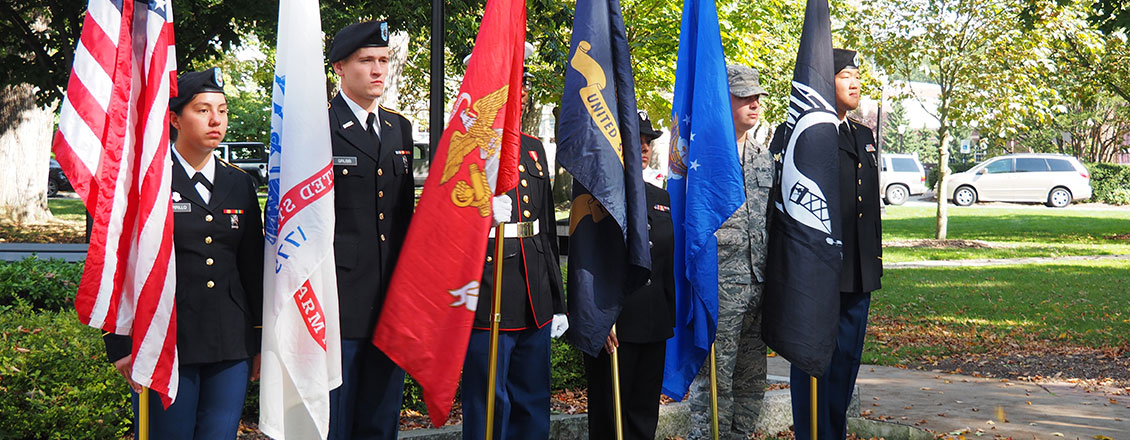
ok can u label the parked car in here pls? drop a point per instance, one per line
(56, 180)
(1053, 179)
(248, 156)
(902, 176)
(420, 162)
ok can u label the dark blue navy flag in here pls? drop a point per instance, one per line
(801, 305)
(599, 143)
(706, 188)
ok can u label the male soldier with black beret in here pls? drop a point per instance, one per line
(374, 193)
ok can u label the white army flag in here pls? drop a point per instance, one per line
(301, 337)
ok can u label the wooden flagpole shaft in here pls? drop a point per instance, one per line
(616, 390)
(812, 384)
(143, 414)
(713, 392)
(496, 319)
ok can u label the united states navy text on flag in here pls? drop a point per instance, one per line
(301, 359)
(600, 146)
(706, 188)
(801, 305)
(113, 144)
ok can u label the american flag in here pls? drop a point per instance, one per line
(113, 143)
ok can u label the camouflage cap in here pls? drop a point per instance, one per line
(743, 81)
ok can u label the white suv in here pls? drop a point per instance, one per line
(1053, 179)
(902, 176)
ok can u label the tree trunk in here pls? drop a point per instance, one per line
(943, 173)
(25, 148)
(397, 58)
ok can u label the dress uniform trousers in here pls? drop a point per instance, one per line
(859, 276)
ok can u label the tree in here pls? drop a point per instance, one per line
(983, 62)
(36, 53)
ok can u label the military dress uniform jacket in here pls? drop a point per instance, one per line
(859, 198)
(219, 269)
(649, 312)
(531, 274)
(742, 240)
(373, 203)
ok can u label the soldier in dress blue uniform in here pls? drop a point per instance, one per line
(645, 323)
(862, 263)
(373, 204)
(218, 240)
(533, 309)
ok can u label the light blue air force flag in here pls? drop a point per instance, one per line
(706, 188)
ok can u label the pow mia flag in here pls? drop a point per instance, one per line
(801, 305)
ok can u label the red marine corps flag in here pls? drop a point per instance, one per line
(426, 320)
(113, 143)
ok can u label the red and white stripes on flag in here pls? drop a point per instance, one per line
(113, 144)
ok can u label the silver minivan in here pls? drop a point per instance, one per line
(902, 176)
(1053, 179)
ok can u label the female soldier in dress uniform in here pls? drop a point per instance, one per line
(218, 240)
(645, 323)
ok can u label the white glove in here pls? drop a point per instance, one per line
(502, 207)
(560, 324)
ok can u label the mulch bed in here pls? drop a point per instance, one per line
(1088, 367)
(52, 232)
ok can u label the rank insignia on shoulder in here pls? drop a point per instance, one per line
(347, 124)
(661, 208)
(870, 148)
(233, 211)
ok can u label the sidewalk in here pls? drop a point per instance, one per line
(994, 408)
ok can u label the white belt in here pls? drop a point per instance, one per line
(519, 230)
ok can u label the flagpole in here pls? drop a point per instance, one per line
(496, 318)
(813, 397)
(143, 414)
(616, 390)
(713, 392)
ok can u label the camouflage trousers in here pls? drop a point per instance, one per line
(740, 359)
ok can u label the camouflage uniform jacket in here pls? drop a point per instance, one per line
(742, 238)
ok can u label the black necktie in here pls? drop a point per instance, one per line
(371, 123)
(199, 178)
(844, 130)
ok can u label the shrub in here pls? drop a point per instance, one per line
(55, 381)
(43, 284)
(567, 366)
(1109, 183)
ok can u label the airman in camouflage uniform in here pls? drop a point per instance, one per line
(739, 350)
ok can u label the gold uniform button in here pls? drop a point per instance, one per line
(860, 199)
(526, 213)
(860, 181)
(521, 168)
(859, 165)
(861, 215)
(209, 262)
(208, 240)
(382, 237)
(208, 218)
(344, 172)
(380, 193)
(211, 284)
(526, 198)
(381, 216)
(525, 183)
(380, 171)
(489, 258)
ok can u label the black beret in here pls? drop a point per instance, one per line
(191, 83)
(646, 130)
(844, 59)
(356, 36)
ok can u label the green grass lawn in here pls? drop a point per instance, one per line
(1014, 233)
(67, 209)
(921, 313)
